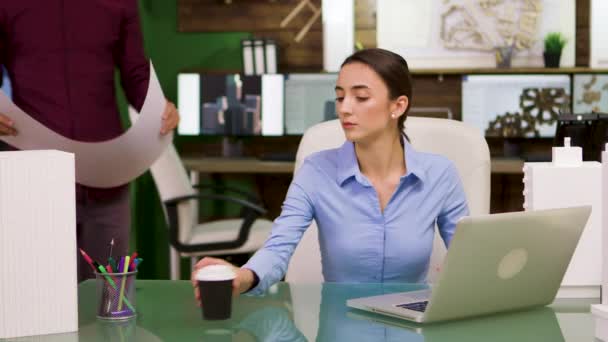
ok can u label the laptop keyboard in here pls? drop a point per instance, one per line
(418, 306)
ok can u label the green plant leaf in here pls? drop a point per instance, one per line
(554, 42)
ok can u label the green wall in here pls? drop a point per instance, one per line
(170, 52)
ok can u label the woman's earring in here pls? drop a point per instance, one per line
(393, 115)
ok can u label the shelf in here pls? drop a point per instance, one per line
(254, 165)
(236, 165)
(573, 70)
(507, 166)
(422, 72)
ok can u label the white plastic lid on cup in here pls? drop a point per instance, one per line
(215, 273)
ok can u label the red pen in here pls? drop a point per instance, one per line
(89, 261)
(132, 262)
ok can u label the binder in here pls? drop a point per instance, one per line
(259, 57)
(247, 47)
(271, 56)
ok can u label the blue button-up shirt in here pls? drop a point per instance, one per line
(359, 242)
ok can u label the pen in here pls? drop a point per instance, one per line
(132, 263)
(104, 272)
(125, 269)
(88, 259)
(121, 264)
(139, 261)
(112, 263)
(113, 284)
(111, 247)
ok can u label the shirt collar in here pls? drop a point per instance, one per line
(349, 167)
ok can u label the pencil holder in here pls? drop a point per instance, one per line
(116, 295)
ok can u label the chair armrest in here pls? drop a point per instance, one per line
(249, 195)
(247, 204)
(251, 213)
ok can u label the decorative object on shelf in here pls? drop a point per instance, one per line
(512, 125)
(503, 56)
(537, 106)
(544, 104)
(554, 44)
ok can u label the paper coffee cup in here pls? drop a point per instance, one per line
(215, 286)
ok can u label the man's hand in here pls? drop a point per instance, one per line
(170, 118)
(7, 126)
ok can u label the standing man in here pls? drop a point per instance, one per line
(61, 56)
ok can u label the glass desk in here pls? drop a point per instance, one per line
(167, 312)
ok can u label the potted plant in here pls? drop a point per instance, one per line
(554, 44)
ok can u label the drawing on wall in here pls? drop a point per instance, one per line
(465, 33)
(515, 105)
(485, 24)
(590, 93)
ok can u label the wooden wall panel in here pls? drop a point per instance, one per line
(303, 56)
(243, 16)
(263, 19)
(434, 91)
(582, 32)
(507, 193)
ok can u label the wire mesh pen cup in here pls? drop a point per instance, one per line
(116, 295)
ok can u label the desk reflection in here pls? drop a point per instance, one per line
(271, 324)
(319, 313)
(98, 331)
(337, 322)
(121, 331)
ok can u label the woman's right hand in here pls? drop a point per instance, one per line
(7, 125)
(241, 283)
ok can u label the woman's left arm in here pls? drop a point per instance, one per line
(454, 204)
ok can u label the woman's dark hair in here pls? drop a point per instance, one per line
(392, 69)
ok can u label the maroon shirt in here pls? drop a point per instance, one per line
(61, 55)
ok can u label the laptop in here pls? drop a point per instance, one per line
(495, 263)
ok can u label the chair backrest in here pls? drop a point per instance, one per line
(171, 180)
(460, 143)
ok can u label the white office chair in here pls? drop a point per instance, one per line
(460, 143)
(188, 237)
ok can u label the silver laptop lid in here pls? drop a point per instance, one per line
(505, 262)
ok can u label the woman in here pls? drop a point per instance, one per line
(376, 200)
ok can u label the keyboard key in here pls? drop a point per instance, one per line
(418, 306)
